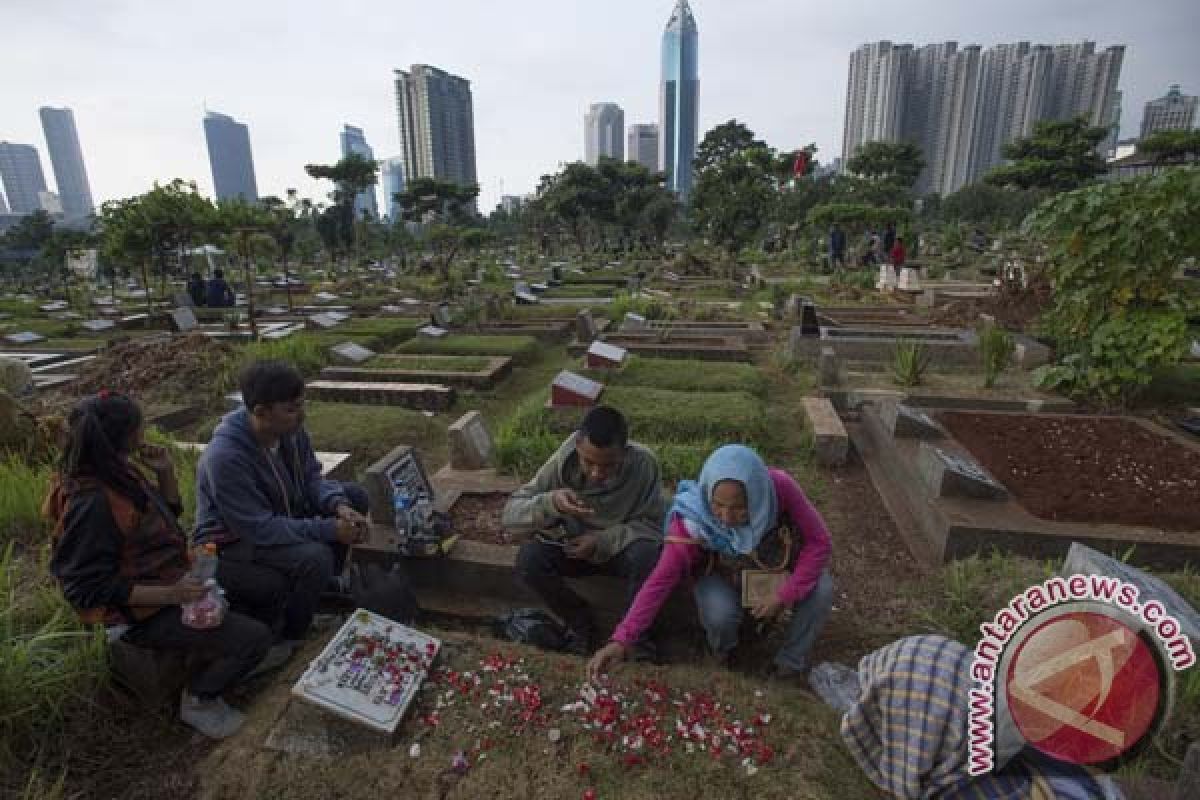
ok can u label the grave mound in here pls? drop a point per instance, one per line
(1086, 469)
(178, 364)
(476, 517)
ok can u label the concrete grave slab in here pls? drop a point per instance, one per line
(24, 337)
(323, 321)
(57, 305)
(338, 316)
(571, 390)
(951, 475)
(539, 288)
(432, 332)
(1029, 353)
(830, 440)
(602, 355)
(325, 297)
(183, 320)
(441, 315)
(634, 322)
(904, 421)
(469, 442)
(419, 396)
(351, 353)
(526, 298)
(829, 368)
(98, 325)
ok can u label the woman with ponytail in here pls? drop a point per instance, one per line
(122, 559)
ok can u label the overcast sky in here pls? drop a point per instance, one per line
(139, 73)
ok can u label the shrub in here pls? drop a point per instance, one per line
(909, 363)
(996, 349)
(22, 488)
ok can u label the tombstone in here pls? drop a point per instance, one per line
(324, 297)
(829, 368)
(351, 353)
(410, 301)
(905, 422)
(539, 288)
(470, 443)
(432, 332)
(556, 273)
(441, 315)
(634, 322)
(602, 355)
(571, 390)
(401, 467)
(57, 305)
(323, 321)
(24, 337)
(183, 320)
(183, 300)
(5, 315)
(275, 310)
(98, 325)
(910, 280)
(949, 475)
(337, 316)
(927, 299)
(809, 325)
(521, 286)
(585, 326)
(526, 298)
(887, 278)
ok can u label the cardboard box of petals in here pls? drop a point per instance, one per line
(370, 671)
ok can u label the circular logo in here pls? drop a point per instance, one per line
(1084, 687)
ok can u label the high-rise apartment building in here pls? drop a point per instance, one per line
(961, 106)
(642, 146)
(354, 141)
(24, 181)
(3, 205)
(1172, 112)
(66, 156)
(437, 125)
(230, 158)
(604, 133)
(679, 98)
(391, 176)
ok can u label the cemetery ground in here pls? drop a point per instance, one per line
(68, 732)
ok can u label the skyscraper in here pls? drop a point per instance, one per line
(437, 125)
(1172, 112)
(604, 132)
(353, 141)
(230, 157)
(62, 140)
(679, 98)
(3, 205)
(21, 171)
(391, 175)
(643, 146)
(962, 106)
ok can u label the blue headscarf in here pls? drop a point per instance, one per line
(733, 462)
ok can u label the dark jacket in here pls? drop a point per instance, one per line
(240, 495)
(103, 545)
(219, 293)
(196, 291)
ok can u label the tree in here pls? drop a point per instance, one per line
(1118, 314)
(250, 228)
(1059, 155)
(897, 163)
(735, 187)
(350, 176)
(1171, 147)
(985, 204)
(428, 200)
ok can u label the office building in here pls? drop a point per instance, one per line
(604, 133)
(24, 181)
(353, 141)
(230, 158)
(642, 146)
(391, 176)
(1174, 111)
(437, 125)
(679, 99)
(66, 156)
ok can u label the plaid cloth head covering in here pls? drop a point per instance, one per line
(908, 731)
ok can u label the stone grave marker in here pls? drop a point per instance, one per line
(441, 315)
(927, 299)
(183, 300)
(98, 325)
(949, 475)
(410, 301)
(275, 310)
(905, 422)
(183, 320)
(470, 443)
(338, 316)
(828, 367)
(910, 280)
(432, 332)
(324, 297)
(570, 389)
(585, 326)
(400, 468)
(24, 337)
(323, 321)
(602, 355)
(351, 353)
(526, 298)
(5, 315)
(539, 288)
(809, 325)
(57, 305)
(634, 322)
(887, 278)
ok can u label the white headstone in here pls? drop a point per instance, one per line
(432, 332)
(25, 337)
(470, 444)
(352, 353)
(887, 278)
(910, 280)
(98, 325)
(183, 320)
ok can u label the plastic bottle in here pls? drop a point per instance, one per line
(401, 505)
(204, 563)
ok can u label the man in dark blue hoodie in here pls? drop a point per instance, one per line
(282, 529)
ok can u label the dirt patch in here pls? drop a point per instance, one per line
(1086, 469)
(477, 517)
(1014, 307)
(163, 366)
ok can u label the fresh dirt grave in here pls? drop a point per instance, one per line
(477, 517)
(1086, 469)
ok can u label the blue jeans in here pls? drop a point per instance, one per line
(720, 607)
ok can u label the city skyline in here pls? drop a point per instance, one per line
(66, 157)
(775, 66)
(603, 133)
(435, 116)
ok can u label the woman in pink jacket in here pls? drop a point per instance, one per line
(739, 516)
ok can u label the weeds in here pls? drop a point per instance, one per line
(909, 364)
(22, 488)
(996, 348)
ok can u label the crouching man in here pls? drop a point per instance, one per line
(595, 508)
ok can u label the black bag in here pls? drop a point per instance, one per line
(532, 626)
(384, 592)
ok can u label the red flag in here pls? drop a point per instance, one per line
(801, 165)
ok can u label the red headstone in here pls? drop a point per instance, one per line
(570, 389)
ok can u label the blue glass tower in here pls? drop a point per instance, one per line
(679, 98)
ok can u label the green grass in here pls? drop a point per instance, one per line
(682, 417)
(369, 432)
(22, 488)
(523, 349)
(1175, 386)
(386, 332)
(430, 363)
(580, 290)
(685, 376)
